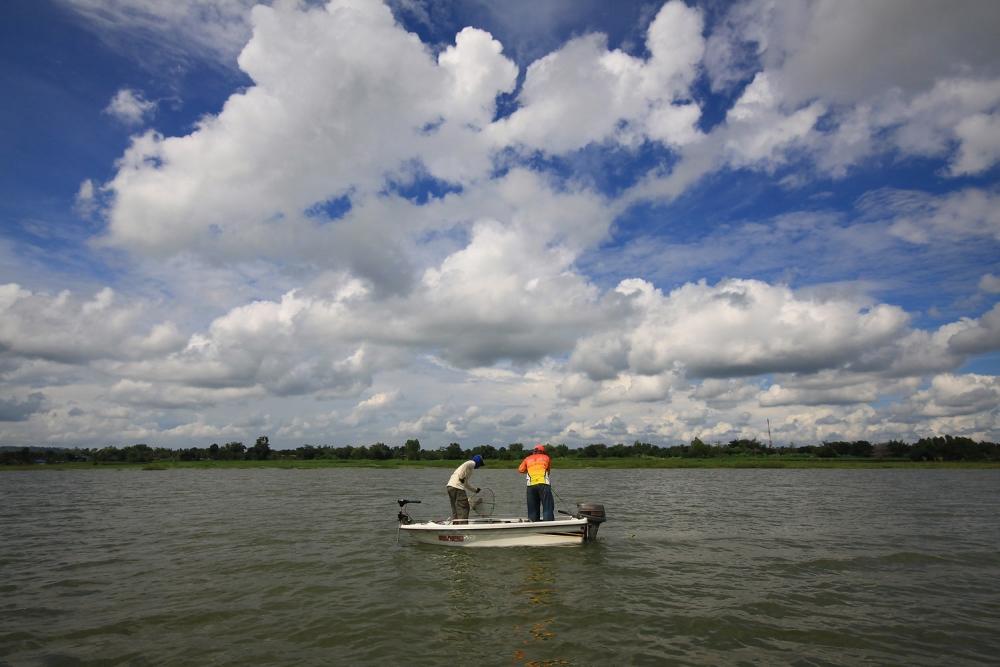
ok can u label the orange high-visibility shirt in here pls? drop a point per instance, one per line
(536, 467)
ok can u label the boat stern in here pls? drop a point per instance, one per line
(595, 516)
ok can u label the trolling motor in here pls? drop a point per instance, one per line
(403, 517)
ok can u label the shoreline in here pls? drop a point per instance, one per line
(773, 463)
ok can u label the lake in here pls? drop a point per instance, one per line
(693, 567)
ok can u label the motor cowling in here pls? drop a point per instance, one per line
(595, 516)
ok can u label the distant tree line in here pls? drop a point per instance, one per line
(940, 448)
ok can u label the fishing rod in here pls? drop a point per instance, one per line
(563, 501)
(592, 512)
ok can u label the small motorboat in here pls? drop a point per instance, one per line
(510, 532)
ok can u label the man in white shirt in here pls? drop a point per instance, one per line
(459, 487)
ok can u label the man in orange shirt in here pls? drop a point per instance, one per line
(536, 467)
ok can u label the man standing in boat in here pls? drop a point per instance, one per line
(459, 487)
(536, 467)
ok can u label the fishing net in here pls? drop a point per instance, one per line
(483, 502)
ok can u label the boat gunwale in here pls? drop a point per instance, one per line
(501, 524)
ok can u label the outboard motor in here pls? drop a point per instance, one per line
(595, 516)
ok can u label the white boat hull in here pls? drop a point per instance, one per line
(516, 532)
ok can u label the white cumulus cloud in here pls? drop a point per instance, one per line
(583, 93)
(130, 107)
(67, 329)
(739, 327)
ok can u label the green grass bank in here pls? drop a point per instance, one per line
(771, 462)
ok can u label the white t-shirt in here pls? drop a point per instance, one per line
(461, 477)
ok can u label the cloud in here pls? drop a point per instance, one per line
(298, 138)
(69, 330)
(990, 283)
(980, 336)
(825, 247)
(575, 386)
(734, 47)
(725, 392)
(804, 44)
(504, 296)
(634, 388)
(86, 199)
(274, 346)
(813, 386)
(821, 351)
(957, 395)
(440, 420)
(208, 29)
(870, 248)
(129, 107)
(584, 94)
(759, 131)
(394, 115)
(16, 410)
(739, 327)
(368, 410)
(611, 428)
(920, 218)
(886, 92)
(403, 232)
(776, 395)
(979, 144)
(399, 112)
(954, 112)
(478, 72)
(168, 396)
(916, 353)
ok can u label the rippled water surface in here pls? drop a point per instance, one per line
(694, 567)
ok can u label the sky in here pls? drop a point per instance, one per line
(570, 221)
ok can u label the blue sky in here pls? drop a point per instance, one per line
(348, 222)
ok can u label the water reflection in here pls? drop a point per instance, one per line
(464, 578)
(539, 589)
(538, 585)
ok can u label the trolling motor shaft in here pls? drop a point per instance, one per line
(403, 516)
